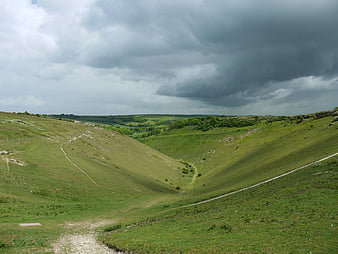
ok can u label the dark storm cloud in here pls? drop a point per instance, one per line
(177, 56)
(148, 36)
(252, 44)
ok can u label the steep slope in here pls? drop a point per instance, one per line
(53, 170)
(38, 153)
(231, 158)
(294, 214)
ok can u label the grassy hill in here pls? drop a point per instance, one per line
(229, 158)
(52, 171)
(294, 214)
(58, 171)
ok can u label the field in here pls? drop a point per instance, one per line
(73, 177)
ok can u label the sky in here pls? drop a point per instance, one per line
(107, 57)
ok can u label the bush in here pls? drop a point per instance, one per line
(212, 227)
(113, 228)
(185, 170)
(226, 227)
(3, 245)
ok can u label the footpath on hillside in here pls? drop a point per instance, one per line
(260, 183)
(71, 161)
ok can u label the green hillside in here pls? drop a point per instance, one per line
(294, 214)
(61, 172)
(229, 158)
(52, 171)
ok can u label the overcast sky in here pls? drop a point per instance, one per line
(160, 56)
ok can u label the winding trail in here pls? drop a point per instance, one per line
(72, 162)
(258, 184)
(193, 180)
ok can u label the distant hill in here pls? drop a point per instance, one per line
(131, 125)
(250, 148)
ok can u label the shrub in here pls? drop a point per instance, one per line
(212, 227)
(113, 228)
(3, 245)
(5, 200)
(185, 170)
(226, 227)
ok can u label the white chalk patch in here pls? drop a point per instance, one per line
(17, 162)
(29, 224)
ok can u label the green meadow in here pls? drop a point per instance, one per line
(61, 171)
(294, 214)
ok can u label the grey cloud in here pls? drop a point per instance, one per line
(252, 43)
(157, 56)
(134, 34)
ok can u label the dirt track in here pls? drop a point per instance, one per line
(80, 243)
(258, 184)
(72, 162)
(80, 238)
(194, 177)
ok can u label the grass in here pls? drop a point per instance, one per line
(113, 176)
(47, 188)
(231, 158)
(294, 214)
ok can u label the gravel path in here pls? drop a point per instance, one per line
(80, 243)
(80, 238)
